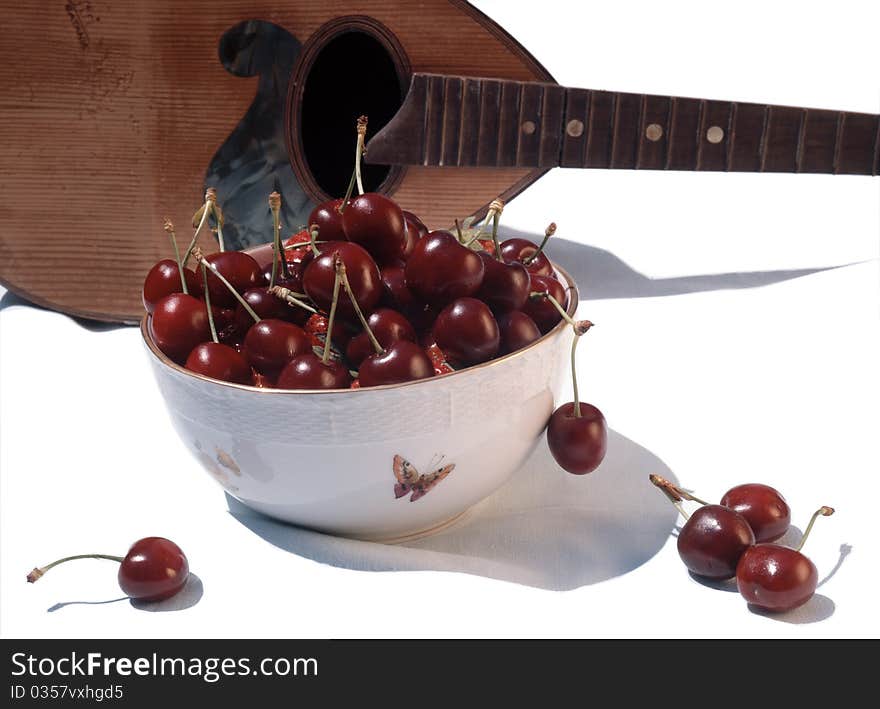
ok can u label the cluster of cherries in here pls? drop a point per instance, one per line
(734, 539)
(365, 296)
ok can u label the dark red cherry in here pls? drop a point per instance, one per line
(308, 372)
(541, 310)
(467, 331)
(517, 330)
(270, 344)
(578, 443)
(326, 215)
(776, 578)
(264, 304)
(522, 250)
(440, 269)
(388, 326)
(376, 223)
(237, 267)
(414, 229)
(764, 508)
(179, 323)
(505, 285)
(164, 279)
(154, 569)
(403, 361)
(363, 275)
(712, 541)
(219, 362)
(292, 282)
(395, 293)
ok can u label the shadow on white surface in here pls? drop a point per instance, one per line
(11, 299)
(544, 528)
(845, 550)
(188, 596)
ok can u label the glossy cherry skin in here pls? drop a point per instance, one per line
(712, 541)
(326, 215)
(517, 330)
(179, 323)
(376, 223)
(523, 249)
(237, 267)
(293, 282)
(164, 279)
(764, 508)
(270, 344)
(219, 362)
(395, 293)
(467, 331)
(153, 569)
(776, 578)
(541, 310)
(505, 285)
(362, 271)
(308, 372)
(388, 326)
(414, 230)
(264, 304)
(578, 443)
(403, 361)
(440, 269)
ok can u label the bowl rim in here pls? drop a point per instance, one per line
(573, 302)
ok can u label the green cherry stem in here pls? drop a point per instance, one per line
(556, 304)
(291, 297)
(208, 304)
(548, 232)
(37, 573)
(201, 216)
(458, 232)
(496, 206)
(821, 512)
(218, 218)
(340, 270)
(325, 356)
(313, 239)
(197, 253)
(361, 135)
(169, 228)
(278, 249)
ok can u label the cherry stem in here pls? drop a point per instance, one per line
(340, 270)
(301, 244)
(556, 304)
(823, 511)
(277, 249)
(210, 196)
(548, 232)
(495, 220)
(574, 379)
(458, 231)
(313, 239)
(673, 493)
(291, 297)
(495, 208)
(197, 252)
(169, 227)
(208, 304)
(218, 217)
(332, 317)
(361, 133)
(37, 573)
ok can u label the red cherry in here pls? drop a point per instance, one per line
(154, 569)
(179, 323)
(517, 330)
(764, 508)
(713, 540)
(440, 269)
(467, 331)
(395, 293)
(217, 361)
(522, 250)
(326, 215)
(264, 304)
(237, 267)
(308, 372)
(541, 310)
(403, 361)
(505, 286)
(363, 274)
(414, 230)
(578, 443)
(164, 279)
(388, 326)
(270, 344)
(376, 223)
(293, 282)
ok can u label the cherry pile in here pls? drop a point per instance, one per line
(733, 539)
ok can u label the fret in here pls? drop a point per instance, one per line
(434, 121)
(575, 128)
(858, 131)
(876, 169)
(653, 134)
(714, 135)
(508, 130)
(468, 146)
(838, 135)
(490, 111)
(683, 140)
(451, 118)
(626, 130)
(748, 129)
(600, 129)
(529, 124)
(781, 144)
(820, 138)
(798, 162)
(551, 127)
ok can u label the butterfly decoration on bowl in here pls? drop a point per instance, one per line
(410, 480)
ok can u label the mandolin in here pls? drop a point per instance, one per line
(120, 113)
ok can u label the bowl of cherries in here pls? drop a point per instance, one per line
(335, 377)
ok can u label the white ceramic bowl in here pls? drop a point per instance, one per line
(330, 460)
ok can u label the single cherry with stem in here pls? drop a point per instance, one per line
(154, 569)
(777, 578)
(539, 307)
(467, 331)
(363, 274)
(388, 326)
(764, 508)
(532, 257)
(179, 322)
(277, 248)
(506, 284)
(167, 277)
(712, 539)
(441, 269)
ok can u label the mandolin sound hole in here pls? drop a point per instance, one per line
(352, 75)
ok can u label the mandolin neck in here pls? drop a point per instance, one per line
(478, 122)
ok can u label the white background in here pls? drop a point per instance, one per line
(776, 383)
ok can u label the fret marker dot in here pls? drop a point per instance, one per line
(575, 128)
(715, 134)
(528, 127)
(654, 132)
